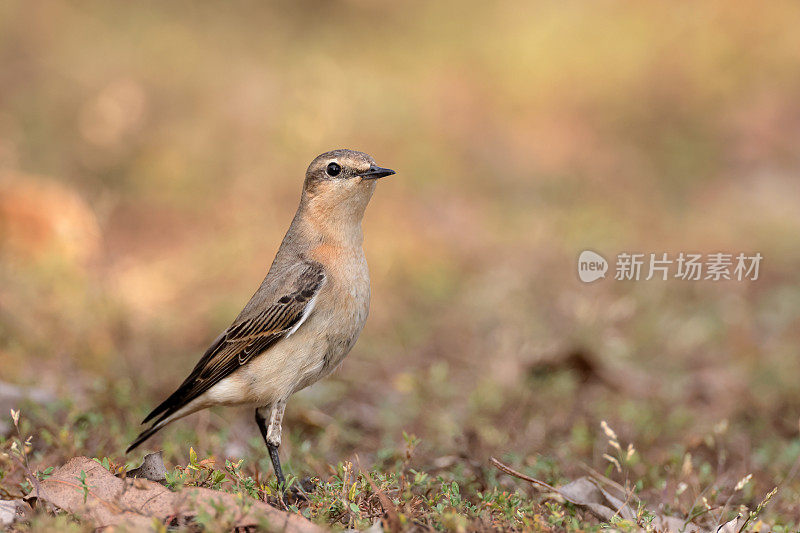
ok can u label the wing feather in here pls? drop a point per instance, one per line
(246, 338)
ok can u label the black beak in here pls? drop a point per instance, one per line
(376, 172)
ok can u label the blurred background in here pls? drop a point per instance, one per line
(152, 155)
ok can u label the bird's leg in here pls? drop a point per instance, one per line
(272, 435)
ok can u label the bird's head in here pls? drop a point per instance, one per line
(341, 182)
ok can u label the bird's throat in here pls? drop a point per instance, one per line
(335, 223)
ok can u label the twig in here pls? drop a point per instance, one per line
(511, 472)
(24, 461)
(388, 506)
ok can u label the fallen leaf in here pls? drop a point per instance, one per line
(89, 491)
(606, 499)
(602, 502)
(733, 526)
(152, 468)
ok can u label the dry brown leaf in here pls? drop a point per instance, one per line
(106, 500)
(152, 468)
(606, 499)
(602, 502)
(734, 526)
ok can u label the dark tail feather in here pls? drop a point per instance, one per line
(144, 435)
(188, 390)
(164, 408)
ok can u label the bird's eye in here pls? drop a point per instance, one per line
(333, 169)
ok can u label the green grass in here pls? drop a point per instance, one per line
(401, 486)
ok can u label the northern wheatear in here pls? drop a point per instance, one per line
(303, 319)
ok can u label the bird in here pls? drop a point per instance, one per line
(305, 316)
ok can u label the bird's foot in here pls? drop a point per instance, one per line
(295, 494)
(299, 492)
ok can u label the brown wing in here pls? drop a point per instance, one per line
(245, 339)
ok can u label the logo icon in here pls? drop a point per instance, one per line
(591, 266)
